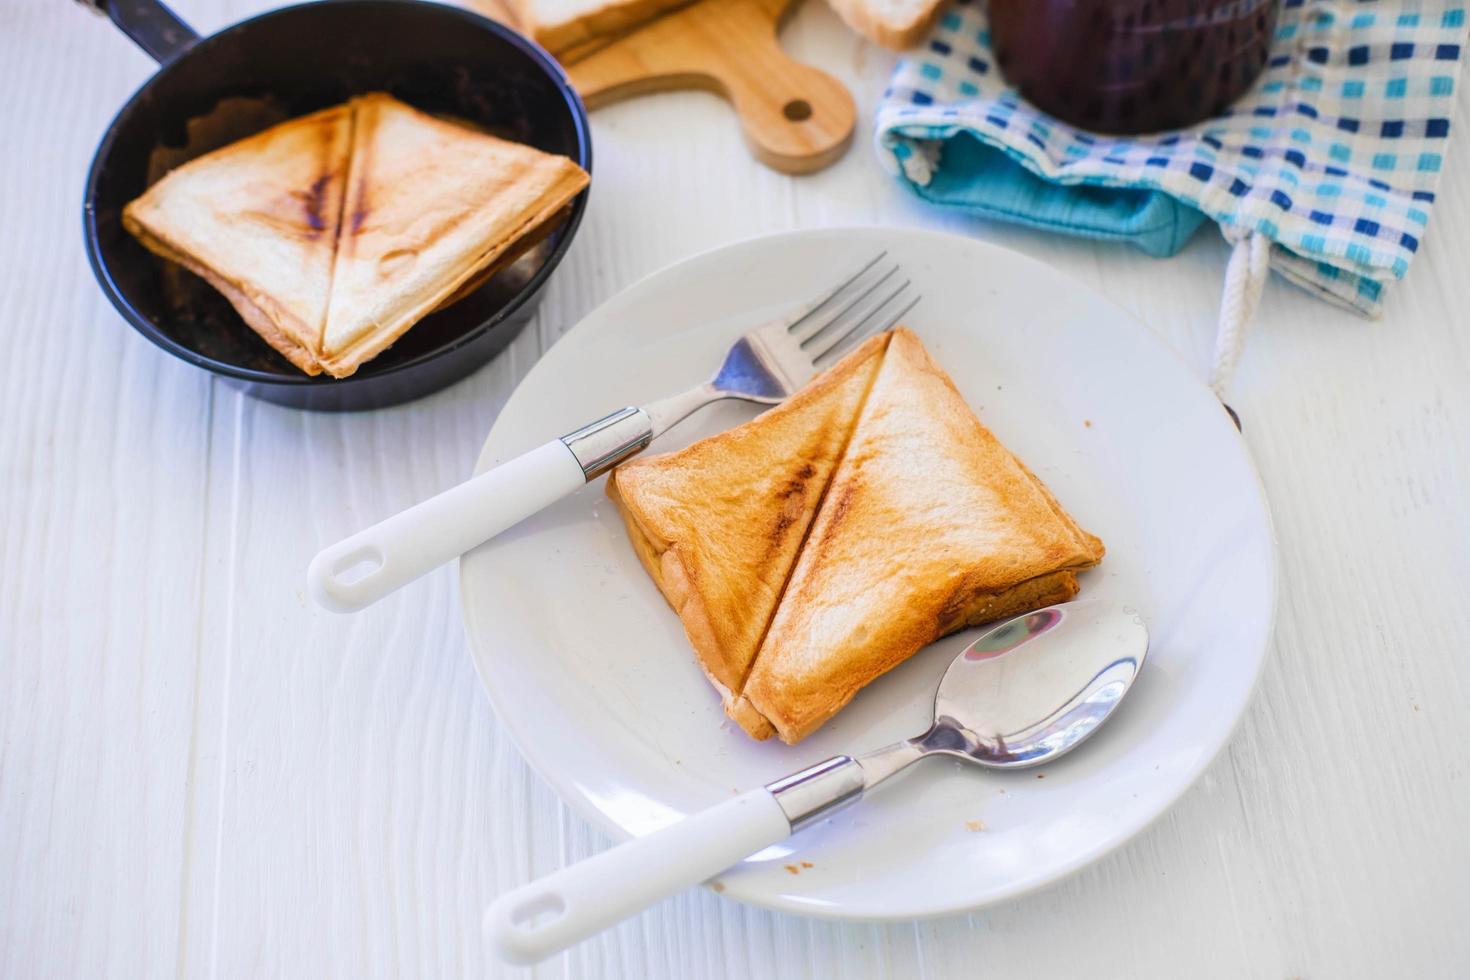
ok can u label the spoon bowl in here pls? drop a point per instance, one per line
(1033, 688)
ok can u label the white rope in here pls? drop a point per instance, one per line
(1245, 278)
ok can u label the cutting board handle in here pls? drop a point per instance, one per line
(796, 119)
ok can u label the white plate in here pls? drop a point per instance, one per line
(590, 671)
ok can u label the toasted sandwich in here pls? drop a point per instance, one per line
(718, 525)
(334, 233)
(430, 207)
(258, 220)
(930, 525)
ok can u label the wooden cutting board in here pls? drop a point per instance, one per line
(795, 118)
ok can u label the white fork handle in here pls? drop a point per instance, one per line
(545, 917)
(420, 539)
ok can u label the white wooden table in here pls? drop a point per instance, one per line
(202, 774)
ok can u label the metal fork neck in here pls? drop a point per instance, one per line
(666, 413)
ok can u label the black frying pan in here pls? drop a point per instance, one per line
(209, 92)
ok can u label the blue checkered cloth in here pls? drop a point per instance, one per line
(1333, 155)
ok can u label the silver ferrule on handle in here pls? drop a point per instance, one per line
(608, 441)
(832, 784)
(818, 790)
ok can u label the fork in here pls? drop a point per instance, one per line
(766, 365)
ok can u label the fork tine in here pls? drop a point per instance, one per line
(865, 329)
(811, 332)
(879, 325)
(870, 320)
(826, 297)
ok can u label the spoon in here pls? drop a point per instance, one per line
(1026, 692)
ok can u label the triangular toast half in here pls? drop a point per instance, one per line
(258, 220)
(929, 525)
(718, 525)
(430, 206)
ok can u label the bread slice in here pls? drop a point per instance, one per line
(718, 525)
(896, 24)
(560, 26)
(430, 205)
(258, 220)
(930, 525)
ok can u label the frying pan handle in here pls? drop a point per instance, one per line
(151, 25)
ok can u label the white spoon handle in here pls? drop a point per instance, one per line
(360, 570)
(545, 917)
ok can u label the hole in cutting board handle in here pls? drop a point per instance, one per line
(797, 110)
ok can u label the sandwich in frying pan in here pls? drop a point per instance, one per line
(334, 233)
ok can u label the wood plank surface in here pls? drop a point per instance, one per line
(203, 775)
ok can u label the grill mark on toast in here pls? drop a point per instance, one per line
(806, 535)
(839, 513)
(347, 168)
(359, 163)
(300, 213)
(794, 494)
(797, 483)
(314, 199)
(312, 202)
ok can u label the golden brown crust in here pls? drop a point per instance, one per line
(516, 250)
(744, 714)
(666, 569)
(794, 711)
(258, 220)
(255, 317)
(429, 205)
(930, 525)
(719, 524)
(263, 323)
(1044, 590)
